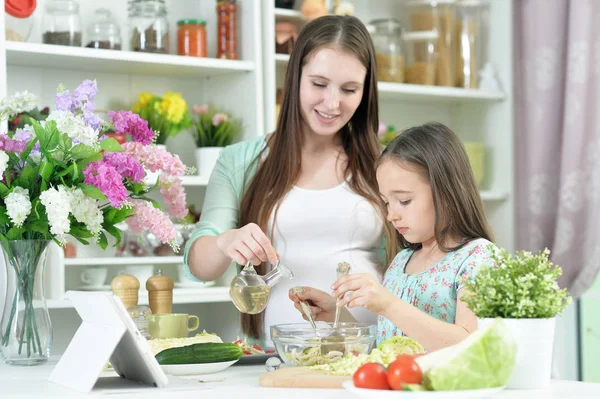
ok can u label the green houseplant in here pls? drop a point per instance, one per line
(213, 130)
(523, 290)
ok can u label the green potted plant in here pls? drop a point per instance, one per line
(523, 290)
(213, 130)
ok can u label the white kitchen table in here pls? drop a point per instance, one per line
(236, 382)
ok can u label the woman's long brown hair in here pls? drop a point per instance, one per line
(439, 155)
(280, 169)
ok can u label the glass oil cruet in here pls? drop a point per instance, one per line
(250, 292)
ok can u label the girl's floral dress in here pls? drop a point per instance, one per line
(433, 291)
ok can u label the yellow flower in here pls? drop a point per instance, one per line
(143, 99)
(173, 107)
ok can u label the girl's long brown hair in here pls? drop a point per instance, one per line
(280, 169)
(439, 154)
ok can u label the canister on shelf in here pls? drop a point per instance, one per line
(126, 287)
(149, 26)
(389, 51)
(421, 55)
(470, 26)
(160, 293)
(227, 29)
(104, 32)
(62, 23)
(438, 15)
(191, 37)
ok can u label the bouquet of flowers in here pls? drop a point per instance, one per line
(166, 115)
(25, 118)
(386, 133)
(214, 128)
(62, 177)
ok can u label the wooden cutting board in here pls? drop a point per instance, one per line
(301, 377)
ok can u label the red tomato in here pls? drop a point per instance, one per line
(404, 370)
(257, 347)
(371, 376)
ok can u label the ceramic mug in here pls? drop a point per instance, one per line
(93, 276)
(476, 154)
(172, 325)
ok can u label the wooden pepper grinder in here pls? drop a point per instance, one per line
(160, 293)
(126, 287)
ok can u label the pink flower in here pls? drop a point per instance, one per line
(147, 217)
(382, 129)
(174, 194)
(131, 123)
(125, 165)
(9, 145)
(155, 158)
(200, 109)
(108, 180)
(219, 118)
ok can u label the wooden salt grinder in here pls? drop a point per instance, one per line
(160, 293)
(126, 287)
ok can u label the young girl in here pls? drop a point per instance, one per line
(308, 191)
(433, 202)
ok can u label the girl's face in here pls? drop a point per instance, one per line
(331, 88)
(409, 200)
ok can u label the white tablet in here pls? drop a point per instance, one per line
(107, 332)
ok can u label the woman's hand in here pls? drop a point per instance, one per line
(366, 292)
(322, 305)
(247, 244)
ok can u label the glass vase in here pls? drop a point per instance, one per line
(26, 331)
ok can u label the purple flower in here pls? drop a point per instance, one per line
(85, 92)
(9, 145)
(131, 123)
(89, 117)
(63, 101)
(24, 135)
(108, 180)
(125, 165)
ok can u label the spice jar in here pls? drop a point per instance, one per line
(421, 55)
(149, 27)
(389, 51)
(18, 19)
(227, 29)
(104, 32)
(469, 46)
(191, 37)
(62, 23)
(438, 15)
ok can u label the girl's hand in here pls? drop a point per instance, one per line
(247, 244)
(366, 292)
(322, 305)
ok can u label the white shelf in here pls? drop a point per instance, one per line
(286, 15)
(124, 260)
(180, 295)
(87, 59)
(401, 91)
(281, 60)
(194, 180)
(493, 196)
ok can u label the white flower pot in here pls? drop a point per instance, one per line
(535, 343)
(206, 159)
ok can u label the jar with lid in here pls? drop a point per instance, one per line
(191, 37)
(104, 31)
(148, 26)
(470, 30)
(421, 55)
(62, 23)
(438, 15)
(227, 29)
(18, 20)
(389, 50)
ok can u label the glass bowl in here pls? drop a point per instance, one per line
(300, 345)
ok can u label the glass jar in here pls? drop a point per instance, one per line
(104, 32)
(62, 23)
(18, 20)
(148, 26)
(389, 51)
(227, 29)
(438, 15)
(470, 29)
(191, 37)
(421, 55)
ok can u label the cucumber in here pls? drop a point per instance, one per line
(208, 352)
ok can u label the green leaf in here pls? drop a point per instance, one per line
(102, 241)
(92, 192)
(40, 226)
(81, 240)
(111, 145)
(3, 216)
(3, 190)
(15, 233)
(66, 141)
(65, 172)
(27, 178)
(109, 215)
(81, 232)
(45, 169)
(122, 214)
(82, 151)
(115, 232)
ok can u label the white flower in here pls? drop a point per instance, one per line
(3, 163)
(86, 211)
(75, 127)
(18, 205)
(17, 103)
(57, 208)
